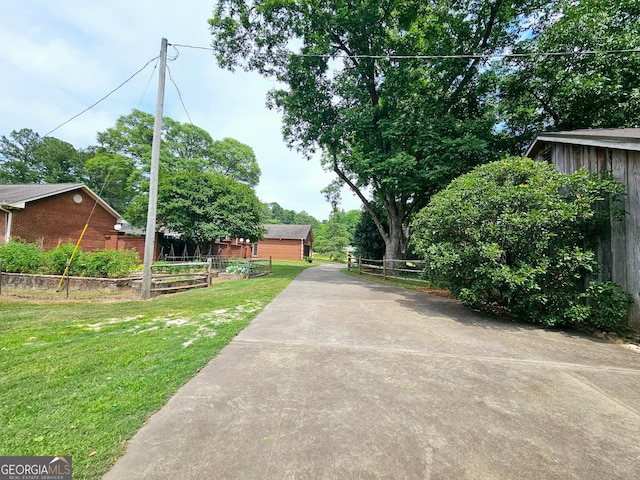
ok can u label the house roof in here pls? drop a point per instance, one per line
(616, 138)
(287, 232)
(17, 196)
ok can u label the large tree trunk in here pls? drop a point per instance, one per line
(395, 244)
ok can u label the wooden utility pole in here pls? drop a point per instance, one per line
(150, 236)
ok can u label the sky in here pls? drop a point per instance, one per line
(58, 57)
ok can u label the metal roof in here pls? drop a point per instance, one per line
(616, 138)
(17, 196)
(287, 232)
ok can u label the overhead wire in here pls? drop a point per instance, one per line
(179, 94)
(153, 71)
(103, 98)
(77, 245)
(470, 56)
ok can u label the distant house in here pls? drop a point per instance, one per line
(616, 151)
(285, 242)
(54, 214)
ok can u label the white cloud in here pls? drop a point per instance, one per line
(61, 56)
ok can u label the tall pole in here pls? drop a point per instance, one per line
(150, 236)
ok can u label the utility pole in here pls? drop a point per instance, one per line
(150, 236)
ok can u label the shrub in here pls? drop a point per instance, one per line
(519, 234)
(55, 260)
(108, 263)
(18, 256)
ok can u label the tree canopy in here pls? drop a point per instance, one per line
(26, 157)
(205, 206)
(273, 213)
(386, 121)
(598, 89)
(184, 147)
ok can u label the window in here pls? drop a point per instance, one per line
(255, 250)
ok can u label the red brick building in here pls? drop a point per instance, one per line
(57, 213)
(285, 242)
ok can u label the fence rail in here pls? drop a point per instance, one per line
(410, 270)
(175, 276)
(168, 277)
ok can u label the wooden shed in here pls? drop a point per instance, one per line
(616, 151)
(285, 242)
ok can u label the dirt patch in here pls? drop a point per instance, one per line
(436, 291)
(51, 296)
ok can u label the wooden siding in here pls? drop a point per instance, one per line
(619, 254)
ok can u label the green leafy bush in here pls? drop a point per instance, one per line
(18, 256)
(55, 260)
(108, 263)
(21, 257)
(519, 234)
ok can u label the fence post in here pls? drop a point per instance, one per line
(270, 265)
(209, 270)
(348, 262)
(360, 265)
(248, 267)
(384, 267)
(68, 280)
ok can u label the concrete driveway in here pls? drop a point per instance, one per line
(343, 379)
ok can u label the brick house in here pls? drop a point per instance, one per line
(54, 214)
(606, 151)
(285, 242)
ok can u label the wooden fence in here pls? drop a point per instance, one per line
(177, 276)
(171, 277)
(410, 270)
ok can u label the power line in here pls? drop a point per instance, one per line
(103, 98)
(470, 56)
(179, 94)
(153, 71)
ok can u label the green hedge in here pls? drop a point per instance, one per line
(520, 235)
(20, 257)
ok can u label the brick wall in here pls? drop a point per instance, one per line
(60, 219)
(280, 249)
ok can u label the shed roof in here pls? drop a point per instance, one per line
(287, 232)
(17, 196)
(616, 138)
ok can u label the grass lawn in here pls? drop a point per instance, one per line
(80, 377)
(425, 287)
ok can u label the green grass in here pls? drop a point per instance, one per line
(394, 281)
(80, 377)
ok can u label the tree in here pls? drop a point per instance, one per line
(115, 177)
(274, 213)
(385, 121)
(184, 147)
(26, 157)
(366, 238)
(205, 206)
(581, 90)
(236, 160)
(332, 237)
(519, 235)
